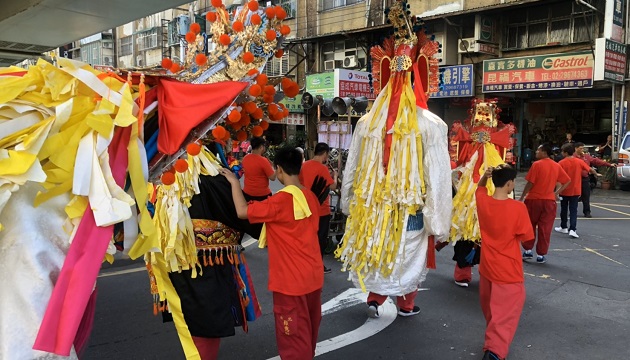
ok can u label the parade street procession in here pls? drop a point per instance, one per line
(281, 179)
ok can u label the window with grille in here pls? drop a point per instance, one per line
(147, 39)
(290, 7)
(126, 45)
(555, 24)
(277, 66)
(333, 4)
(337, 51)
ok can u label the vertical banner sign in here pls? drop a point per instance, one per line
(624, 121)
(616, 126)
(456, 81)
(613, 23)
(610, 61)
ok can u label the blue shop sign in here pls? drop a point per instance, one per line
(456, 81)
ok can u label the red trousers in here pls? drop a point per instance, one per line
(208, 347)
(406, 302)
(297, 324)
(502, 305)
(463, 274)
(542, 214)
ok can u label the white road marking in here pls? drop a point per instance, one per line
(348, 298)
(122, 272)
(249, 242)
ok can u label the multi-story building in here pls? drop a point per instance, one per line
(541, 59)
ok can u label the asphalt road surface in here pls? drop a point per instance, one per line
(577, 307)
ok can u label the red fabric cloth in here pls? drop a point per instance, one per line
(310, 170)
(574, 167)
(542, 214)
(257, 170)
(502, 305)
(295, 263)
(462, 274)
(591, 161)
(544, 174)
(297, 321)
(501, 236)
(467, 148)
(208, 348)
(406, 302)
(182, 106)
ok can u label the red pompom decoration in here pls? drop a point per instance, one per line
(258, 114)
(256, 19)
(270, 12)
(252, 72)
(286, 112)
(225, 39)
(248, 58)
(281, 14)
(253, 5)
(292, 90)
(272, 109)
(227, 136)
(238, 26)
(249, 107)
(181, 166)
(279, 53)
(245, 120)
(241, 136)
(219, 132)
(190, 37)
(255, 90)
(175, 68)
(201, 59)
(264, 125)
(211, 16)
(168, 178)
(167, 63)
(285, 82)
(269, 90)
(217, 3)
(234, 116)
(285, 30)
(268, 98)
(271, 35)
(262, 79)
(193, 149)
(257, 131)
(195, 27)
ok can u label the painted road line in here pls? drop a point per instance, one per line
(351, 297)
(122, 272)
(599, 218)
(604, 256)
(249, 242)
(605, 204)
(615, 211)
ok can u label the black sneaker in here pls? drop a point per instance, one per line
(372, 310)
(588, 215)
(489, 355)
(327, 270)
(415, 311)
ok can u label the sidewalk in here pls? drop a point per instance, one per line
(596, 193)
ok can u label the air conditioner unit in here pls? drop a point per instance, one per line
(107, 60)
(350, 61)
(329, 65)
(467, 45)
(108, 45)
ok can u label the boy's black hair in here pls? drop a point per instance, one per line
(289, 159)
(579, 144)
(547, 149)
(502, 174)
(321, 148)
(568, 148)
(257, 142)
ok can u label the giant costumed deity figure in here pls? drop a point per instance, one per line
(396, 188)
(482, 141)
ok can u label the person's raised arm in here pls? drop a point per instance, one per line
(237, 195)
(486, 175)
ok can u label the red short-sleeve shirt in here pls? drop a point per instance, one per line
(295, 262)
(544, 174)
(310, 170)
(504, 224)
(573, 167)
(257, 170)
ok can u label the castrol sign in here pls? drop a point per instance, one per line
(539, 72)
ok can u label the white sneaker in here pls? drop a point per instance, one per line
(372, 310)
(573, 234)
(561, 230)
(461, 283)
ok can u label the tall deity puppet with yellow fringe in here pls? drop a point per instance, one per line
(481, 142)
(396, 185)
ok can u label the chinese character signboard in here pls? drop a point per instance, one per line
(456, 81)
(542, 72)
(321, 84)
(294, 105)
(350, 83)
(610, 61)
(613, 23)
(292, 119)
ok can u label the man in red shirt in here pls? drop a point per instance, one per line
(570, 196)
(540, 195)
(295, 265)
(504, 224)
(586, 186)
(257, 172)
(310, 170)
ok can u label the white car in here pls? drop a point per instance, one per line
(623, 168)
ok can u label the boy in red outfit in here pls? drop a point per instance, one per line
(295, 265)
(571, 195)
(501, 288)
(540, 196)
